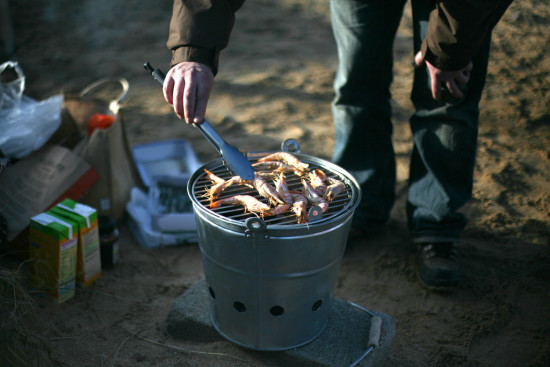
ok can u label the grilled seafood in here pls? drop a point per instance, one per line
(312, 196)
(277, 166)
(260, 184)
(215, 190)
(270, 182)
(266, 190)
(250, 203)
(335, 188)
(317, 180)
(272, 166)
(282, 188)
(296, 201)
(279, 209)
(286, 158)
(299, 207)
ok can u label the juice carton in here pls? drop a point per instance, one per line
(88, 263)
(52, 250)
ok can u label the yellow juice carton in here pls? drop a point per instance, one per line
(52, 249)
(88, 259)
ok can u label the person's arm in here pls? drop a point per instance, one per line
(199, 30)
(456, 30)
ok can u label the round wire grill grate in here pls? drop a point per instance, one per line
(202, 184)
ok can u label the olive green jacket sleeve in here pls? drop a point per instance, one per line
(457, 28)
(200, 29)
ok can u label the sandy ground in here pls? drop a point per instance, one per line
(275, 82)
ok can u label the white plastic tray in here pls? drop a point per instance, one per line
(168, 157)
(172, 162)
(139, 221)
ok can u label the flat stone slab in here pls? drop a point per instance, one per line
(343, 341)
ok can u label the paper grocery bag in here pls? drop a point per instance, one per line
(106, 150)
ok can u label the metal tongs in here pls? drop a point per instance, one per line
(232, 157)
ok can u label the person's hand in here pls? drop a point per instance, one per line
(451, 79)
(187, 88)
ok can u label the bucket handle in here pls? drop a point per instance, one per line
(290, 146)
(125, 86)
(374, 333)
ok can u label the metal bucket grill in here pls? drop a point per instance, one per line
(270, 280)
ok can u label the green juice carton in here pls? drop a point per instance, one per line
(52, 250)
(88, 259)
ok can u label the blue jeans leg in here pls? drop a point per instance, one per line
(364, 32)
(445, 141)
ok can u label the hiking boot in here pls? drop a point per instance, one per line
(438, 264)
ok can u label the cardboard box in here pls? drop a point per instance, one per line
(88, 259)
(52, 250)
(36, 183)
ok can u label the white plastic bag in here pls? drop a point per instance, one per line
(25, 124)
(11, 91)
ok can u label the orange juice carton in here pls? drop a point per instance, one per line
(52, 250)
(88, 258)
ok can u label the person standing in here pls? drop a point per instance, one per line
(451, 43)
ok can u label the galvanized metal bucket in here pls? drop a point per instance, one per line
(271, 286)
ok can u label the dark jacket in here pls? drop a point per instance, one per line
(457, 28)
(200, 29)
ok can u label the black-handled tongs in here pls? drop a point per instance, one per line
(233, 158)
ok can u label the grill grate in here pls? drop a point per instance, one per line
(236, 212)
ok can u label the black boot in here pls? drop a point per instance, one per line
(438, 264)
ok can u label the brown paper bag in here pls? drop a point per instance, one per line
(106, 150)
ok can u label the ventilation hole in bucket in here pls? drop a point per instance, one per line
(277, 310)
(239, 307)
(316, 305)
(212, 294)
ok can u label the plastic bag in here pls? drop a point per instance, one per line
(12, 91)
(26, 124)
